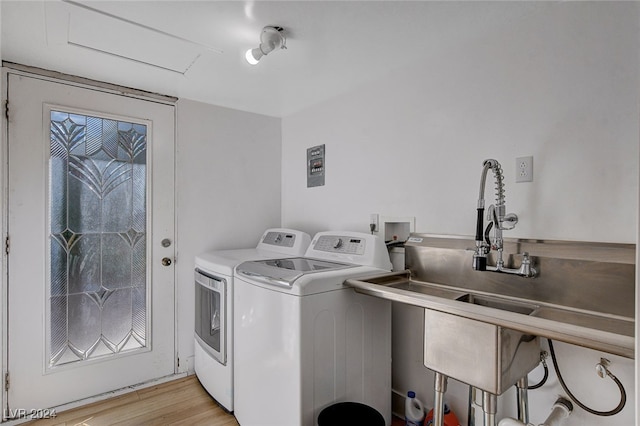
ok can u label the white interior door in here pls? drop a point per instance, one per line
(90, 221)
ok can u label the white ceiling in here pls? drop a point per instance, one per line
(195, 49)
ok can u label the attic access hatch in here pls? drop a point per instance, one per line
(79, 25)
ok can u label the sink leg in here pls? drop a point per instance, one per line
(440, 387)
(471, 410)
(523, 400)
(489, 406)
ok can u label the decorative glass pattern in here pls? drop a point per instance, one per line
(97, 202)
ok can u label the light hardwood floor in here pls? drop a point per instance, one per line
(179, 402)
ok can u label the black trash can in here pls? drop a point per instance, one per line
(350, 414)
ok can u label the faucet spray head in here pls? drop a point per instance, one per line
(479, 260)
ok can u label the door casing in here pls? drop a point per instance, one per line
(77, 82)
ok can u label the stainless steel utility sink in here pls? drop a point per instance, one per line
(483, 327)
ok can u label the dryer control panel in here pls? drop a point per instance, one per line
(289, 242)
(281, 239)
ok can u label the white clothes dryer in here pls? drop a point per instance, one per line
(304, 340)
(214, 282)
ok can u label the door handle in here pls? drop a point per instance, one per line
(166, 261)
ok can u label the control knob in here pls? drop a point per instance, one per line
(338, 243)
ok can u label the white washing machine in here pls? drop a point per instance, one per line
(214, 364)
(303, 340)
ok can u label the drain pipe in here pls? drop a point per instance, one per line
(510, 421)
(561, 409)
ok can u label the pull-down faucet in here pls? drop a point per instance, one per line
(499, 221)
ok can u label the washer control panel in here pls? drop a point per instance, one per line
(358, 248)
(340, 244)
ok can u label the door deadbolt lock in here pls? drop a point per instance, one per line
(165, 243)
(166, 261)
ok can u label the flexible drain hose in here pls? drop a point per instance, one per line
(544, 378)
(623, 394)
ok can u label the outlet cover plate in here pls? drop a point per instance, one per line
(524, 169)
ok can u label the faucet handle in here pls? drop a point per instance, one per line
(509, 222)
(526, 270)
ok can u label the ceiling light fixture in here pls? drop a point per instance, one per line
(271, 38)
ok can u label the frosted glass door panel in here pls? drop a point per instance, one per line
(97, 199)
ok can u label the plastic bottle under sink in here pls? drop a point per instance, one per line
(413, 410)
(449, 418)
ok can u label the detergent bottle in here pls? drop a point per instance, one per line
(449, 419)
(413, 410)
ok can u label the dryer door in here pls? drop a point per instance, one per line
(210, 320)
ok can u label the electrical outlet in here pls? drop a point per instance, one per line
(524, 169)
(373, 222)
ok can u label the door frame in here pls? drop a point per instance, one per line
(52, 76)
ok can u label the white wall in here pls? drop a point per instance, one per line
(228, 165)
(561, 85)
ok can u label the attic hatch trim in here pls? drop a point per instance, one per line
(92, 84)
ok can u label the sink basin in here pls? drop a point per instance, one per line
(497, 303)
(430, 290)
(486, 356)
